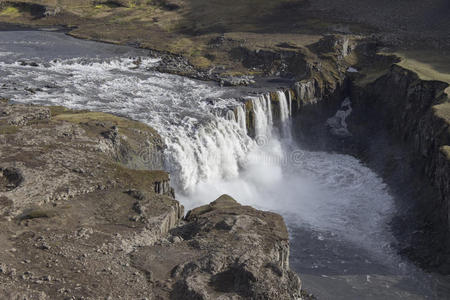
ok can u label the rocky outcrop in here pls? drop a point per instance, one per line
(226, 251)
(83, 216)
(416, 112)
(400, 127)
(282, 62)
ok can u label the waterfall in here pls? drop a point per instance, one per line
(262, 122)
(204, 129)
(284, 110)
(305, 90)
(230, 116)
(241, 118)
(336, 201)
(213, 151)
(269, 108)
(284, 114)
(290, 102)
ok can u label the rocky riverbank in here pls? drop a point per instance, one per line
(399, 123)
(85, 214)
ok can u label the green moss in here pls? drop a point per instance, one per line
(201, 62)
(292, 93)
(274, 97)
(249, 115)
(57, 110)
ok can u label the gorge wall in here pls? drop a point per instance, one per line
(413, 115)
(399, 125)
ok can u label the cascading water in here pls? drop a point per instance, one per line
(284, 115)
(269, 109)
(329, 201)
(241, 118)
(263, 125)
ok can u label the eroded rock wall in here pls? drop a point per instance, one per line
(414, 111)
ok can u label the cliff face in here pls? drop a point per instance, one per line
(416, 112)
(399, 126)
(85, 215)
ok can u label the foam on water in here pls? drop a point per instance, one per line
(213, 152)
(208, 150)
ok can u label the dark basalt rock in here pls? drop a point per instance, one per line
(10, 178)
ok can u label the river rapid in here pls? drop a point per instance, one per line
(337, 210)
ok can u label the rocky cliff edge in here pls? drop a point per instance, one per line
(85, 214)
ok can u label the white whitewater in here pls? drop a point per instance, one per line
(207, 154)
(263, 126)
(290, 103)
(284, 108)
(208, 149)
(284, 115)
(241, 118)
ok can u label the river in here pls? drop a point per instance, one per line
(337, 210)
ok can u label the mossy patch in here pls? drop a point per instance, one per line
(201, 62)
(10, 11)
(187, 47)
(58, 110)
(85, 117)
(274, 97)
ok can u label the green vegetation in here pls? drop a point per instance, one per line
(85, 117)
(10, 11)
(182, 27)
(57, 110)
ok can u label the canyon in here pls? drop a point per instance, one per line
(339, 134)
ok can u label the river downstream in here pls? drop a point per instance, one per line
(337, 210)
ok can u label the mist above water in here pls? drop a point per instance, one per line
(209, 152)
